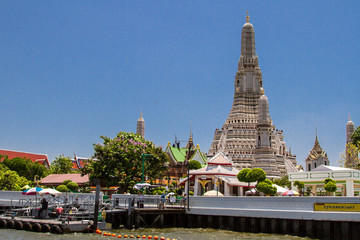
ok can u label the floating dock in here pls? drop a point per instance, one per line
(46, 225)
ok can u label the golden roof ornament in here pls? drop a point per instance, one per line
(247, 16)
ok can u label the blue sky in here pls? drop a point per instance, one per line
(73, 71)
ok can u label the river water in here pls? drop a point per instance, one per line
(172, 233)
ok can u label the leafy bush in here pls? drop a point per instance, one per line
(193, 164)
(62, 188)
(266, 187)
(65, 182)
(328, 180)
(330, 187)
(72, 186)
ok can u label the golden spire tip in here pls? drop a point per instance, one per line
(247, 16)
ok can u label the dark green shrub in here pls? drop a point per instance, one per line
(62, 188)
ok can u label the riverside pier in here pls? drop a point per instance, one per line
(277, 215)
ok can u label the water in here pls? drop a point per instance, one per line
(172, 233)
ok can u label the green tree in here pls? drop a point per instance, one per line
(65, 182)
(330, 185)
(251, 175)
(10, 180)
(355, 137)
(61, 165)
(350, 158)
(257, 175)
(25, 167)
(266, 187)
(62, 188)
(118, 161)
(72, 186)
(283, 181)
(242, 176)
(193, 164)
(300, 186)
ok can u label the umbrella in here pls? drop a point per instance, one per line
(169, 194)
(279, 189)
(50, 191)
(32, 191)
(139, 186)
(213, 193)
(291, 193)
(250, 192)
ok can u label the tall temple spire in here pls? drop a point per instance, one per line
(350, 128)
(239, 136)
(140, 127)
(190, 142)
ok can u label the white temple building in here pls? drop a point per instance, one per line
(220, 175)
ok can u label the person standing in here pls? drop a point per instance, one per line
(44, 207)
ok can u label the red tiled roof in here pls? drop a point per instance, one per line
(74, 165)
(34, 157)
(57, 179)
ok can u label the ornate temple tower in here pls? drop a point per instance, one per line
(317, 156)
(140, 127)
(237, 138)
(350, 128)
(264, 153)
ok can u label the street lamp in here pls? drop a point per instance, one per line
(188, 177)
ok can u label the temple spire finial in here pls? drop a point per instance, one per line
(247, 16)
(349, 117)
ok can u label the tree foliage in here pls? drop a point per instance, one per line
(350, 158)
(25, 167)
(193, 164)
(61, 165)
(118, 161)
(283, 181)
(252, 175)
(243, 175)
(10, 180)
(355, 137)
(62, 188)
(266, 187)
(300, 186)
(72, 186)
(330, 185)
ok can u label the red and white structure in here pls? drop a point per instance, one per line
(220, 175)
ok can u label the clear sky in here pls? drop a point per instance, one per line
(75, 70)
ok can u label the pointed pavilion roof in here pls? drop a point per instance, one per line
(179, 154)
(316, 152)
(220, 159)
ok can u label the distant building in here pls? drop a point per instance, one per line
(140, 127)
(178, 156)
(219, 175)
(347, 180)
(58, 179)
(351, 161)
(317, 156)
(78, 162)
(34, 157)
